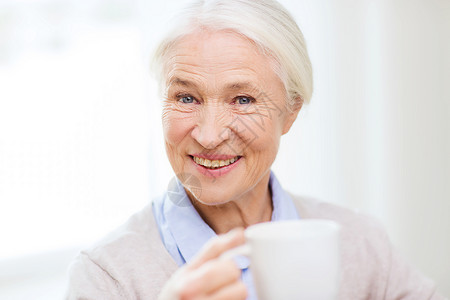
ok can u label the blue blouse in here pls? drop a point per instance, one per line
(183, 231)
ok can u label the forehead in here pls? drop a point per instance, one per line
(222, 56)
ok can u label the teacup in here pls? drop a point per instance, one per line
(292, 260)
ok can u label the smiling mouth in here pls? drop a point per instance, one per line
(214, 164)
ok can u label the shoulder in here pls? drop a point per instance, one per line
(137, 242)
(312, 208)
(357, 229)
(353, 224)
(138, 232)
(132, 257)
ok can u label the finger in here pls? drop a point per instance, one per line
(214, 275)
(217, 245)
(235, 291)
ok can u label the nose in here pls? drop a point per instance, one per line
(211, 129)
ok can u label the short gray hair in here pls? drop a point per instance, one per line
(266, 22)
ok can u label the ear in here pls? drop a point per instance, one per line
(291, 115)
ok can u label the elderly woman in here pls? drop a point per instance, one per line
(235, 74)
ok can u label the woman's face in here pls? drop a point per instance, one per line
(223, 115)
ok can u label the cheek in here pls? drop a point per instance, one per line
(260, 135)
(176, 126)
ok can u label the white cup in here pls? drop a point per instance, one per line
(293, 260)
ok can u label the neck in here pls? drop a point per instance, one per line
(255, 206)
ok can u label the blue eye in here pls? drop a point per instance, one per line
(187, 99)
(244, 100)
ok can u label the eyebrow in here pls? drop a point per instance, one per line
(238, 85)
(181, 82)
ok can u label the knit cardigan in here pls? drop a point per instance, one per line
(132, 262)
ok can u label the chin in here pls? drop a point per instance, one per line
(209, 197)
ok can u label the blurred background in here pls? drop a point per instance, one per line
(81, 146)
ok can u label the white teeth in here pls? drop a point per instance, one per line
(214, 164)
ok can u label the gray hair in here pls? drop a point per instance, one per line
(266, 22)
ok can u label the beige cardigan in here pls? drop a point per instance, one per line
(132, 262)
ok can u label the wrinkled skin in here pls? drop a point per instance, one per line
(223, 97)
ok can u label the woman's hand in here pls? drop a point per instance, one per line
(208, 276)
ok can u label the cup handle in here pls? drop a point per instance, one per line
(241, 250)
